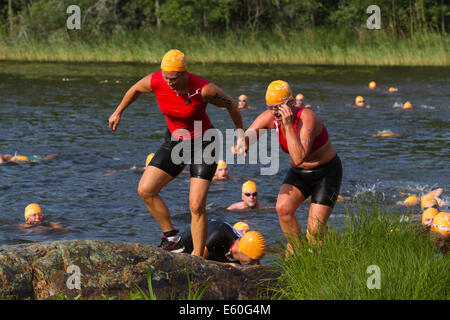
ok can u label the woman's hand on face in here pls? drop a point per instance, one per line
(287, 117)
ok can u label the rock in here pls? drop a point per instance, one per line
(45, 270)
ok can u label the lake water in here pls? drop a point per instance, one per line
(51, 107)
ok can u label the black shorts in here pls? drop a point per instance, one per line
(321, 183)
(163, 159)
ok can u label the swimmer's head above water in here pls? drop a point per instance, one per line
(33, 214)
(250, 194)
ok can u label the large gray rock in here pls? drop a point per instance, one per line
(40, 271)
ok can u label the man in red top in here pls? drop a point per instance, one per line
(316, 169)
(182, 98)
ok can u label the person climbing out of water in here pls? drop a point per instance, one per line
(300, 101)
(226, 244)
(34, 221)
(243, 102)
(316, 169)
(182, 98)
(222, 173)
(32, 159)
(249, 198)
(360, 103)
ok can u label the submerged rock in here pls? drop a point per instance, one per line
(92, 268)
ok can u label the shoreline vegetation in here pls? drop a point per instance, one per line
(310, 47)
(307, 32)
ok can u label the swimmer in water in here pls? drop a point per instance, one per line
(407, 105)
(34, 221)
(243, 102)
(372, 85)
(300, 101)
(386, 133)
(134, 168)
(33, 159)
(222, 172)
(360, 103)
(433, 195)
(226, 244)
(249, 198)
(241, 226)
(182, 98)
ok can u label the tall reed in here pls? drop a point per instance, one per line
(318, 46)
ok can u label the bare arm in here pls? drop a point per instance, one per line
(300, 143)
(213, 94)
(263, 121)
(142, 86)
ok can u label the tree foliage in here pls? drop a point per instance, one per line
(47, 18)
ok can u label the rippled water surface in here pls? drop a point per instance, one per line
(49, 108)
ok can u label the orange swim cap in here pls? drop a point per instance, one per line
(253, 245)
(429, 213)
(299, 96)
(30, 209)
(221, 164)
(392, 89)
(359, 99)
(372, 84)
(441, 223)
(249, 186)
(411, 201)
(174, 61)
(278, 92)
(407, 105)
(149, 158)
(428, 202)
(241, 226)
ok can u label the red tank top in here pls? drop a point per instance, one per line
(319, 141)
(181, 111)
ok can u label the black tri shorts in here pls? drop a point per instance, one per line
(163, 159)
(321, 183)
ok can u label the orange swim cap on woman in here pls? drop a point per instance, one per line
(278, 92)
(174, 61)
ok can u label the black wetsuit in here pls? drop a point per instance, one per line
(220, 239)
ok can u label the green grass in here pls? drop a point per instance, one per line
(409, 264)
(312, 47)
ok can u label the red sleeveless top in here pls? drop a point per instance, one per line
(181, 111)
(319, 141)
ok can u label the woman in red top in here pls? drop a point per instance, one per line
(182, 98)
(316, 169)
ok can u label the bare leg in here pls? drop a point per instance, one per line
(317, 219)
(152, 181)
(199, 219)
(289, 199)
